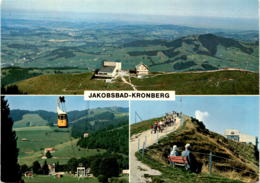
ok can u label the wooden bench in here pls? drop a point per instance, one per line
(179, 160)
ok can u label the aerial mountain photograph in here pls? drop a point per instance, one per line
(192, 47)
(57, 139)
(195, 139)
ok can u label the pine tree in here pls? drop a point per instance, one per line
(24, 168)
(45, 168)
(72, 164)
(48, 154)
(36, 167)
(10, 169)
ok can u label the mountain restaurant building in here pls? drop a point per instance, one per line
(109, 70)
(237, 136)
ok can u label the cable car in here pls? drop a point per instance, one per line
(62, 115)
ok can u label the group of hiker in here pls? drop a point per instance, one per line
(160, 125)
(195, 166)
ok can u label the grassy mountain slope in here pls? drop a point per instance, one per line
(235, 160)
(38, 139)
(221, 82)
(14, 74)
(30, 120)
(66, 84)
(20, 116)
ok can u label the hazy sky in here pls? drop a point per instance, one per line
(215, 8)
(217, 112)
(48, 103)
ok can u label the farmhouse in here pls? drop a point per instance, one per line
(237, 136)
(24, 139)
(109, 70)
(142, 69)
(44, 157)
(125, 172)
(83, 172)
(50, 149)
(28, 174)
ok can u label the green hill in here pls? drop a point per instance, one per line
(38, 139)
(114, 139)
(214, 82)
(34, 139)
(14, 74)
(232, 161)
(30, 120)
(98, 122)
(219, 82)
(66, 84)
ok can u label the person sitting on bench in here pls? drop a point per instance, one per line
(174, 151)
(186, 152)
(191, 159)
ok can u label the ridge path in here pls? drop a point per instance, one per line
(137, 168)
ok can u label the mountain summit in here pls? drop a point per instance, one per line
(230, 159)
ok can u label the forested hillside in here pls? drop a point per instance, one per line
(114, 139)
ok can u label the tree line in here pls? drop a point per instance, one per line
(102, 166)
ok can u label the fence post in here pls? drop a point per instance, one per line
(143, 150)
(138, 145)
(210, 163)
(157, 137)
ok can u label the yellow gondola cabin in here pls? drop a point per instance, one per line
(62, 120)
(62, 115)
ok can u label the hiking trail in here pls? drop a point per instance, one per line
(137, 168)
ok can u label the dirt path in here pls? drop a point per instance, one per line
(126, 82)
(137, 168)
(207, 71)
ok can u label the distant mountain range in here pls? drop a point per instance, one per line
(86, 120)
(198, 52)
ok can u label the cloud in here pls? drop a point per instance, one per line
(201, 115)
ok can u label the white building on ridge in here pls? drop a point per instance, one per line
(237, 136)
(142, 69)
(109, 70)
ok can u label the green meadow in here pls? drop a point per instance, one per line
(40, 137)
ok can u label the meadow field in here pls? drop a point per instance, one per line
(41, 137)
